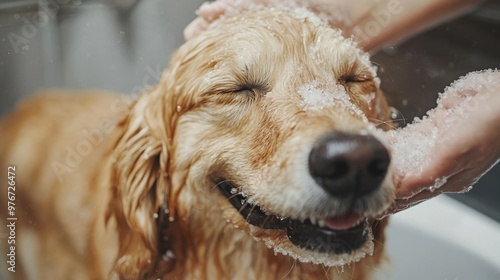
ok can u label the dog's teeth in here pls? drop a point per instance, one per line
(321, 223)
(313, 220)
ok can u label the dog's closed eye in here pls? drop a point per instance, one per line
(360, 84)
(351, 79)
(247, 92)
(252, 90)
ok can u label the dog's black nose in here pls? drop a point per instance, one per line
(348, 164)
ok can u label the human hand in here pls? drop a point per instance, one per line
(454, 146)
(371, 23)
(207, 13)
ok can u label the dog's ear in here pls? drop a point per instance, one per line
(140, 186)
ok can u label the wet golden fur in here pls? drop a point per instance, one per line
(140, 202)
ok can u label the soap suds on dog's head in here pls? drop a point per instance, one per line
(298, 8)
(314, 97)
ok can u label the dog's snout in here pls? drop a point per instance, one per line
(349, 164)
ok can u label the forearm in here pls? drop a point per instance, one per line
(391, 21)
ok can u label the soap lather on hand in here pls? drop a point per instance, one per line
(453, 146)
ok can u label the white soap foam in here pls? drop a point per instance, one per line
(412, 145)
(365, 59)
(305, 14)
(439, 182)
(298, 8)
(315, 97)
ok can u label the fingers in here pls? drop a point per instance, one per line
(195, 27)
(213, 10)
(208, 12)
(414, 184)
(401, 204)
(454, 184)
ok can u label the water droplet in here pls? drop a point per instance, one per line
(466, 190)
(394, 114)
(250, 200)
(389, 50)
(169, 254)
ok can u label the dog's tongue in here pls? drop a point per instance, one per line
(343, 222)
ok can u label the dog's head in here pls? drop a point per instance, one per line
(268, 120)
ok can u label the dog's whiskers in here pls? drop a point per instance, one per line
(249, 212)
(232, 196)
(266, 220)
(290, 270)
(218, 183)
(378, 122)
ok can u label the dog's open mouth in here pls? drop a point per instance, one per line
(336, 235)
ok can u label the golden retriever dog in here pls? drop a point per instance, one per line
(255, 157)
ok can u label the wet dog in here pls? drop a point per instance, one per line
(254, 158)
